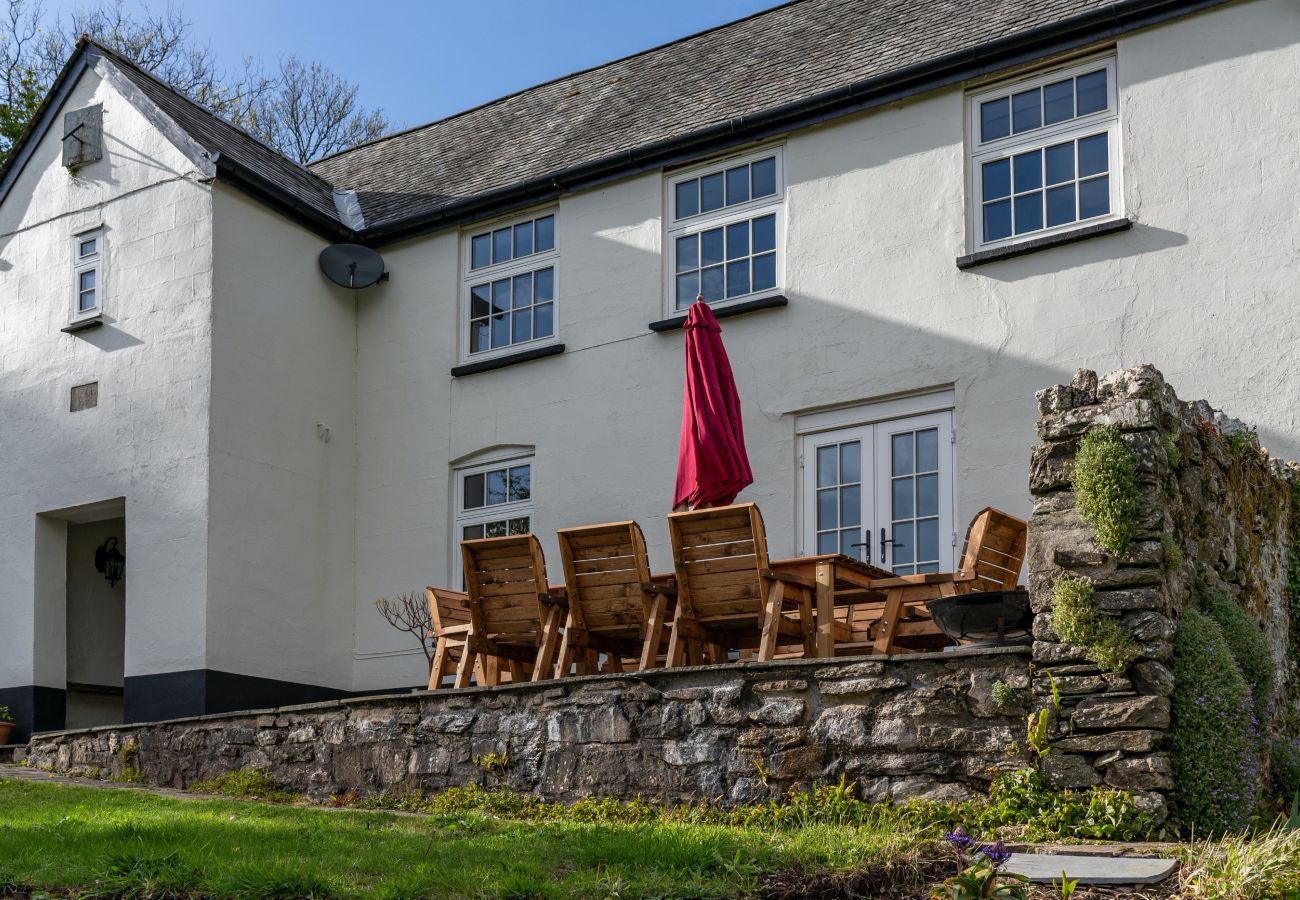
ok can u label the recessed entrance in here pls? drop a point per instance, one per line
(96, 622)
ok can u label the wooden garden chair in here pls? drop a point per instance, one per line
(727, 596)
(615, 606)
(514, 614)
(990, 561)
(449, 611)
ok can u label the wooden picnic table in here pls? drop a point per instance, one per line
(841, 581)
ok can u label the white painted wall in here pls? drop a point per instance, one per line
(1202, 286)
(280, 570)
(147, 440)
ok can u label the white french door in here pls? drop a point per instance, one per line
(882, 493)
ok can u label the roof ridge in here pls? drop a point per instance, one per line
(556, 80)
(120, 59)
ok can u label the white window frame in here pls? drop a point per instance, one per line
(93, 262)
(750, 209)
(509, 269)
(462, 517)
(978, 153)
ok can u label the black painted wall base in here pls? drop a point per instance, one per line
(33, 708)
(196, 692)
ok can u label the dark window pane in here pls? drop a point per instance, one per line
(1027, 171)
(688, 198)
(86, 300)
(543, 320)
(903, 548)
(1029, 212)
(737, 185)
(828, 542)
(523, 290)
(850, 462)
(901, 454)
(827, 508)
(1092, 92)
(765, 272)
(544, 237)
(521, 482)
(927, 495)
(711, 192)
(474, 491)
(496, 487)
(479, 301)
(472, 533)
(1060, 205)
(848, 538)
(1094, 197)
(997, 220)
(927, 450)
(479, 335)
(995, 119)
(523, 239)
(87, 280)
(738, 278)
(927, 540)
(688, 253)
(519, 526)
(522, 326)
(543, 285)
(737, 240)
(711, 250)
(712, 286)
(1058, 102)
(495, 529)
(828, 472)
(501, 243)
(500, 331)
(901, 503)
(764, 233)
(1093, 158)
(763, 173)
(501, 295)
(997, 179)
(88, 247)
(1026, 110)
(481, 255)
(1060, 163)
(688, 288)
(850, 506)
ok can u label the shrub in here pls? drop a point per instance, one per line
(1284, 767)
(1213, 736)
(1004, 695)
(1249, 648)
(1173, 452)
(1076, 621)
(1105, 488)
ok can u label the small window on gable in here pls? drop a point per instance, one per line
(1044, 155)
(87, 273)
(725, 226)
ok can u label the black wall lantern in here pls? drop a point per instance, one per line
(110, 561)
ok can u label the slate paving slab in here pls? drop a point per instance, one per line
(1090, 869)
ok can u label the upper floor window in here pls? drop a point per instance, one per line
(1044, 154)
(87, 273)
(725, 231)
(510, 285)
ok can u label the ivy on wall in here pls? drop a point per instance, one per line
(1249, 649)
(1106, 489)
(1076, 621)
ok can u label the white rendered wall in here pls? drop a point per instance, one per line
(280, 574)
(147, 439)
(1204, 286)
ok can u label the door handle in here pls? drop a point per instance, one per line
(884, 546)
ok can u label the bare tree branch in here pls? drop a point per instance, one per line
(313, 112)
(410, 613)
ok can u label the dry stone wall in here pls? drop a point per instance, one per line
(1213, 511)
(915, 726)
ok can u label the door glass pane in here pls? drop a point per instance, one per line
(828, 542)
(827, 474)
(838, 517)
(902, 498)
(851, 505)
(927, 495)
(927, 450)
(850, 457)
(827, 502)
(901, 453)
(902, 545)
(927, 540)
(849, 537)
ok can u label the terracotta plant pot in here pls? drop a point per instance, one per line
(6, 728)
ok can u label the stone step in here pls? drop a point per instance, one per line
(1091, 868)
(12, 753)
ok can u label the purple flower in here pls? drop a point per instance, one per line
(996, 854)
(959, 838)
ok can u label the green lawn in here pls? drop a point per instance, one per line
(112, 842)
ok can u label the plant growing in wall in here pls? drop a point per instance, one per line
(1249, 649)
(1106, 489)
(409, 613)
(1076, 621)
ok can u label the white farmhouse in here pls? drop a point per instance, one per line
(909, 214)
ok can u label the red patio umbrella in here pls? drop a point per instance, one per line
(712, 467)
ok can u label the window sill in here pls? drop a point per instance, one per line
(725, 312)
(510, 359)
(85, 324)
(1044, 243)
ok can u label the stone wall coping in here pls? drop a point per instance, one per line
(683, 673)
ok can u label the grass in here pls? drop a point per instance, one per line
(121, 843)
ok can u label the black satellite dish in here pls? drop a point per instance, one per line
(352, 265)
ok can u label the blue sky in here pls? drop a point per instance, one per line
(424, 60)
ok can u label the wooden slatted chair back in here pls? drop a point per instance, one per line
(719, 556)
(994, 551)
(605, 569)
(446, 609)
(505, 579)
